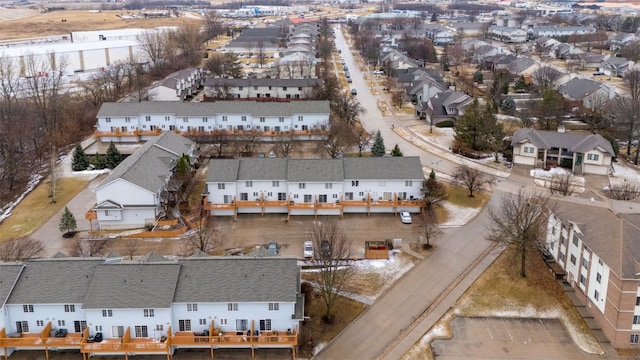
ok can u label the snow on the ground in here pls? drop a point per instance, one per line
(543, 178)
(390, 270)
(442, 137)
(6, 210)
(458, 215)
(623, 173)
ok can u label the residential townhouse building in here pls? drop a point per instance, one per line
(134, 195)
(557, 31)
(151, 307)
(313, 186)
(224, 88)
(586, 93)
(140, 121)
(615, 66)
(599, 250)
(583, 154)
(177, 86)
(438, 34)
(508, 34)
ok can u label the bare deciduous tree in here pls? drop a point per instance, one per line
(347, 108)
(625, 190)
(333, 253)
(20, 249)
(285, 144)
(433, 192)
(205, 238)
(471, 178)
(338, 138)
(262, 54)
(362, 138)
(563, 184)
(428, 231)
(547, 77)
(519, 219)
(131, 247)
(88, 247)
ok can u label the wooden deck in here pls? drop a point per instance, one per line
(42, 340)
(139, 134)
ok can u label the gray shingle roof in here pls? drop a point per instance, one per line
(578, 89)
(263, 169)
(614, 238)
(124, 285)
(238, 279)
(183, 109)
(262, 82)
(574, 142)
(223, 170)
(384, 168)
(151, 164)
(8, 276)
(300, 170)
(54, 281)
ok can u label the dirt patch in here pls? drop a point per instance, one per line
(24, 23)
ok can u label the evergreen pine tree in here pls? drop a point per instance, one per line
(113, 156)
(508, 106)
(67, 221)
(432, 175)
(99, 162)
(378, 149)
(80, 159)
(434, 17)
(396, 151)
(478, 77)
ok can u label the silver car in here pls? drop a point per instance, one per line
(405, 217)
(307, 249)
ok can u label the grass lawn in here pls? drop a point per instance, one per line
(36, 208)
(345, 311)
(460, 196)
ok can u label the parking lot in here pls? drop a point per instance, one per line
(508, 338)
(255, 230)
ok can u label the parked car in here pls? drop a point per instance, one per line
(405, 217)
(354, 91)
(307, 249)
(346, 68)
(378, 72)
(339, 51)
(349, 80)
(273, 247)
(598, 73)
(325, 249)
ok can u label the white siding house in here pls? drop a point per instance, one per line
(139, 121)
(152, 305)
(583, 154)
(131, 197)
(314, 186)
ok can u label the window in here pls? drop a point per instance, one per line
(300, 118)
(265, 325)
(600, 262)
(328, 186)
(192, 307)
(562, 256)
(159, 327)
(223, 322)
(573, 259)
(98, 327)
(224, 118)
(243, 118)
(147, 118)
(335, 196)
(107, 313)
(408, 183)
(202, 321)
(308, 198)
(282, 196)
(275, 183)
(638, 301)
(299, 88)
(22, 326)
(255, 88)
(61, 323)
(127, 119)
(274, 306)
(355, 182)
(302, 185)
(185, 120)
(79, 325)
(184, 325)
(262, 119)
(39, 322)
(141, 331)
(596, 295)
(593, 157)
(636, 320)
(27, 308)
(281, 119)
(528, 150)
(284, 88)
(148, 312)
(585, 263)
(167, 118)
(575, 240)
(70, 308)
(205, 119)
(232, 307)
(634, 338)
(249, 184)
(241, 324)
(220, 186)
(583, 280)
(244, 196)
(599, 278)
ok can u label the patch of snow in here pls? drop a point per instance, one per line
(6, 210)
(318, 348)
(458, 215)
(542, 178)
(439, 330)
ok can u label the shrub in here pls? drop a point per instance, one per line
(445, 124)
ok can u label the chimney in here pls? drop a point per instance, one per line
(561, 128)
